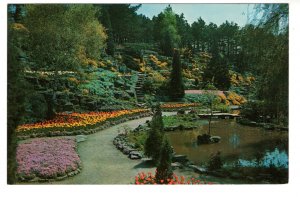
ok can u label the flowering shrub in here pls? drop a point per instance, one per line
(178, 105)
(235, 99)
(143, 179)
(47, 158)
(19, 27)
(65, 121)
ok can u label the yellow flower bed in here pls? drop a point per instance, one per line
(78, 120)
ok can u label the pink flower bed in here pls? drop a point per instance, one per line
(47, 158)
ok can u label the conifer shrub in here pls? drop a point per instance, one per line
(164, 169)
(153, 142)
(176, 87)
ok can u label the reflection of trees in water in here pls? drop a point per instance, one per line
(269, 159)
(234, 139)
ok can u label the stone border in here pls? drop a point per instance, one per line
(106, 124)
(59, 178)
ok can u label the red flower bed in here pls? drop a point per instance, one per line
(142, 179)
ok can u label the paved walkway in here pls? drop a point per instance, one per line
(103, 163)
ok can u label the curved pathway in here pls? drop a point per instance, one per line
(103, 163)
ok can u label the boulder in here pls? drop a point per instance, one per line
(135, 155)
(198, 169)
(215, 139)
(81, 138)
(176, 165)
(127, 150)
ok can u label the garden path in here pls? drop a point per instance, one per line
(103, 163)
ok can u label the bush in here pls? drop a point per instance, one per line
(195, 98)
(215, 162)
(253, 110)
(223, 108)
(36, 108)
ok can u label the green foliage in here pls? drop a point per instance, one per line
(217, 71)
(222, 108)
(164, 169)
(195, 98)
(105, 20)
(16, 95)
(58, 33)
(176, 87)
(153, 142)
(36, 108)
(165, 31)
(186, 120)
(254, 110)
(138, 139)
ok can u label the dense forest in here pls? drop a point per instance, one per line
(91, 58)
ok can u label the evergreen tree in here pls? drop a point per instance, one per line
(154, 141)
(164, 170)
(105, 21)
(16, 94)
(217, 71)
(176, 87)
(165, 31)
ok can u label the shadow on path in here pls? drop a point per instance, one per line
(145, 164)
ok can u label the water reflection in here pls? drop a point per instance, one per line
(239, 144)
(234, 140)
(275, 158)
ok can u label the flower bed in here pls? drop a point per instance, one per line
(143, 178)
(78, 123)
(47, 159)
(176, 106)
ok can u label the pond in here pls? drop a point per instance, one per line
(240, 145)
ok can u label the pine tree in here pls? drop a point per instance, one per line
(176, 87)
(105, 20)
(164, 170)
(217, 71)
(154, 141)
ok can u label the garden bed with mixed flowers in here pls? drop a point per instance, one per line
(46, 159)
(78, 123)
(176, 106)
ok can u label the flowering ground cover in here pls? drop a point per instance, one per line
(47, 158)
(69, 122)
(148, 178)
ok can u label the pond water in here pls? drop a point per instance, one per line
(239, 145)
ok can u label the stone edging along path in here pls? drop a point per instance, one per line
(106, 124)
